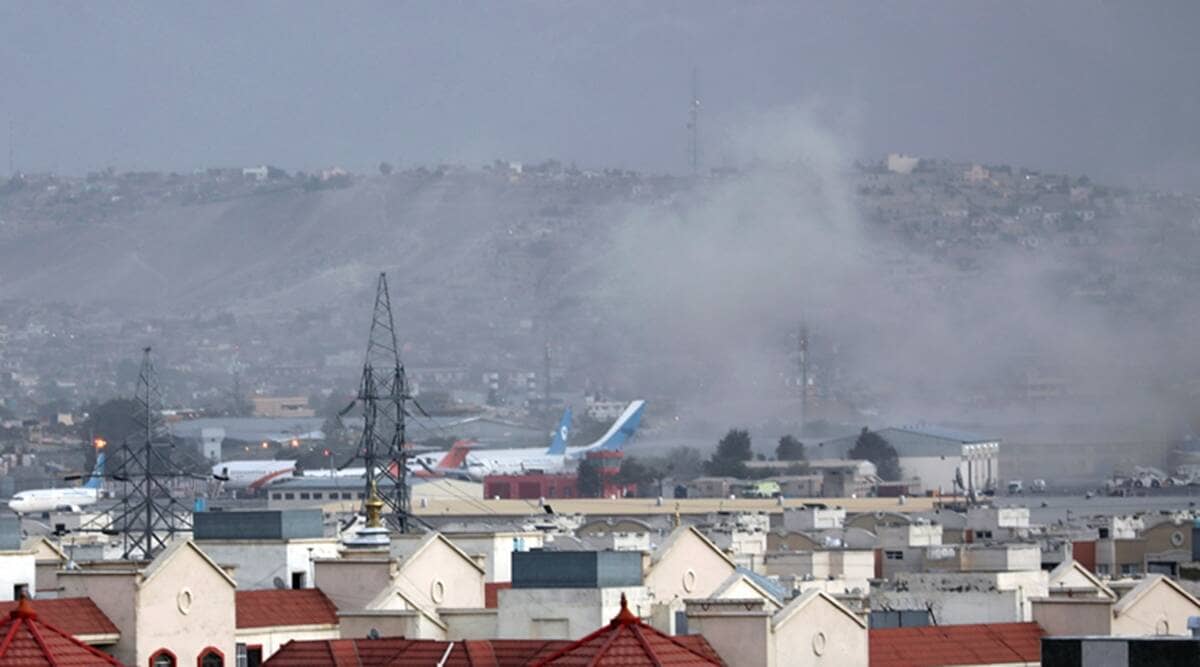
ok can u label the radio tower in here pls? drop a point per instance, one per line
(383, 393)
(150, 516)
(694, 125)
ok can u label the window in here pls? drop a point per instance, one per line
(1104, 533)
(297, 580)
(303, 496)
(254, 655)
(346, 495)
(289, 496)
(211, 657)
(893, 555)
(983, 534)
(162, 658)
(277, 496)
(318, 496)
(1129, 568)
(20, 591)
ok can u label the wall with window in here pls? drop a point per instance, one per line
(187, 607)
(18, 572)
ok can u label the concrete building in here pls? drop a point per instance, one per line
(1156, 605)
(496, 549)
(268, 619)
(941, 458)
(566, 594)
(180, 605)
(18, 566)
(814, 629)
(964, 597)
(268, 549)
(686, 565)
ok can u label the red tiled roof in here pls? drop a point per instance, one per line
(273, 607)
(627, 641)
(27, 641)
(397, 651)
(75, 616)
(940, 645)
(491, 593)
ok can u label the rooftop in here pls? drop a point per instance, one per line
(286, 607)
(28, 640)
(946, 645)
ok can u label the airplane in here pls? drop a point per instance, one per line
(254, 475)
(558, 457)
(71, 499)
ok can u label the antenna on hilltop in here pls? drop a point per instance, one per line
(694, 125)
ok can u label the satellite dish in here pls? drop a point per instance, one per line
(279, 583)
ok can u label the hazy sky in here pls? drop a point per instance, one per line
(1107, 89)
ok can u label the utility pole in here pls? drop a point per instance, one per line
(694, 125)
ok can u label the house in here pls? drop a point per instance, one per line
(567, 594)
(180, 605)
(48, 558)
(78, 617)
(1007, 644)
(627, 640)
(685, 565)
(813, 629)
(1155, 605)
(496, 549)
(18, 566)
(1072, 580)
(268, 619)
(268, 548)
(406, 587)
(30, 640)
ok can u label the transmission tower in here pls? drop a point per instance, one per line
(150, 516)
(383, 393)
(802, 360)
(694, 125)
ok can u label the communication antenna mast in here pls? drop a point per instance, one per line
(150, 516)
(694, 125)
(383, 393)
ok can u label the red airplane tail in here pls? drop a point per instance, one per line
(457, 455)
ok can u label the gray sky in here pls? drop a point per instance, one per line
(1107, 89)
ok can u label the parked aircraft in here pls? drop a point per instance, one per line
(70, 499)
(558, 457)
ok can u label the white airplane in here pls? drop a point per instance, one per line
(71, 499)
(254, 475)
(558, 457)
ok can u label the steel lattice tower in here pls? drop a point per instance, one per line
(149, 515)
(383, 393)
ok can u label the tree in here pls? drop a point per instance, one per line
(684, 463)
(875, 448)
(732, 453)
(790, 449)
(111, 421)
(590, 483)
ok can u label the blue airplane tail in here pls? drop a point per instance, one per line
(558, 446)
(622, 429)
(97, 478)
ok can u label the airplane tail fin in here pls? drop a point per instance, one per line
(97, 478)
(622, 429)
(456, 456)
(558, 446)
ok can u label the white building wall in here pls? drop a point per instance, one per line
(271, 639)
(17, 568)
(563, 613)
